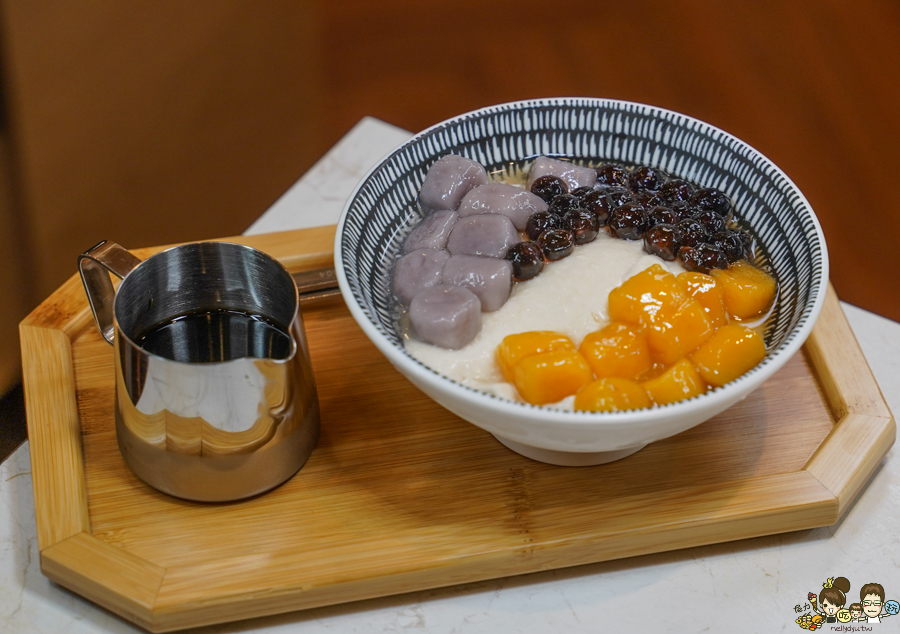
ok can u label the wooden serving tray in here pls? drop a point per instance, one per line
(402, 495)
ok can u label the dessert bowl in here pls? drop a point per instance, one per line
(383, 210)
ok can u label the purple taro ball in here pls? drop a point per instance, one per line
(500, 198)
(432, 232)
(575, 176)
(446, 316)
(417, 270)
(489, 235)
(448, 181)
(489, 278)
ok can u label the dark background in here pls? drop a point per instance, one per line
(815, 86)
(152, 123)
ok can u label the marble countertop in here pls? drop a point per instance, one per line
(753, 585)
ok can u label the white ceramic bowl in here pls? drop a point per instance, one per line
(383, 210)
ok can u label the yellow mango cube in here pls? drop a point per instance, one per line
(748, 291)
(641, 296)
(516, 347)
(612, 394)
(729, 353)
(677, 331)
(680, 382)
(708, 293)
(619, 349)
(551, 376)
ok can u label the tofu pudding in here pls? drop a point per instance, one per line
(570, 296)
(598, 289)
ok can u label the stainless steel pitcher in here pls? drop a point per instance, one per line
(215, 395)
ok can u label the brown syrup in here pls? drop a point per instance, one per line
(215, 336)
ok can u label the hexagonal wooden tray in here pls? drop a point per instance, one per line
(401, 495)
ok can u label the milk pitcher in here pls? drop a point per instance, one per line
(215, 398)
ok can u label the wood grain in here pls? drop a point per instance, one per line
(402, 495)
(846, 377)
(865, 429)
(54, 432)
(105, 574)
(363, 569)
(851, 453)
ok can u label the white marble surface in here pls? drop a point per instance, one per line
(747, 586)
(318, 198)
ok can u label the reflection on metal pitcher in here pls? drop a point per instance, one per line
(215, 396)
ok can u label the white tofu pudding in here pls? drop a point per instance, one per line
(570, 297)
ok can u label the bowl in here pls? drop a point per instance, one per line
(383, 209)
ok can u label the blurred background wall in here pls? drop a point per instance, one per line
(151, 123)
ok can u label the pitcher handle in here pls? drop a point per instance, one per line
(93, 265)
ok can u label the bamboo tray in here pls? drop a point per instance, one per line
(401, 495)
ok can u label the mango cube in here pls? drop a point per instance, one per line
(551, 376)
(708, 293)
(677, 331)
(729, 353)
(516, 347)
(678, 383)
(619, 349)
(638, 299)
(612, 395)
(749, 291)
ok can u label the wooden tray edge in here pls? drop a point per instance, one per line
(865, 428)
(166, 610)
(107, 575)
(54, 435)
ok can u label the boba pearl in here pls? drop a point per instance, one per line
(713, 199)
(583, 224)
(661, 216)
(556, 244)
(646, 178)
(598, 204)
(628, 221)
(731, 243)
(702, 258)
(692, 232)
(563, 203)
(675, 190)
(541, 221)
(549, 187)
(648, 199)
(711, 221)
(581, 192)
(611, 175)
(663, 241)
(574, 175)
(527, 260)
